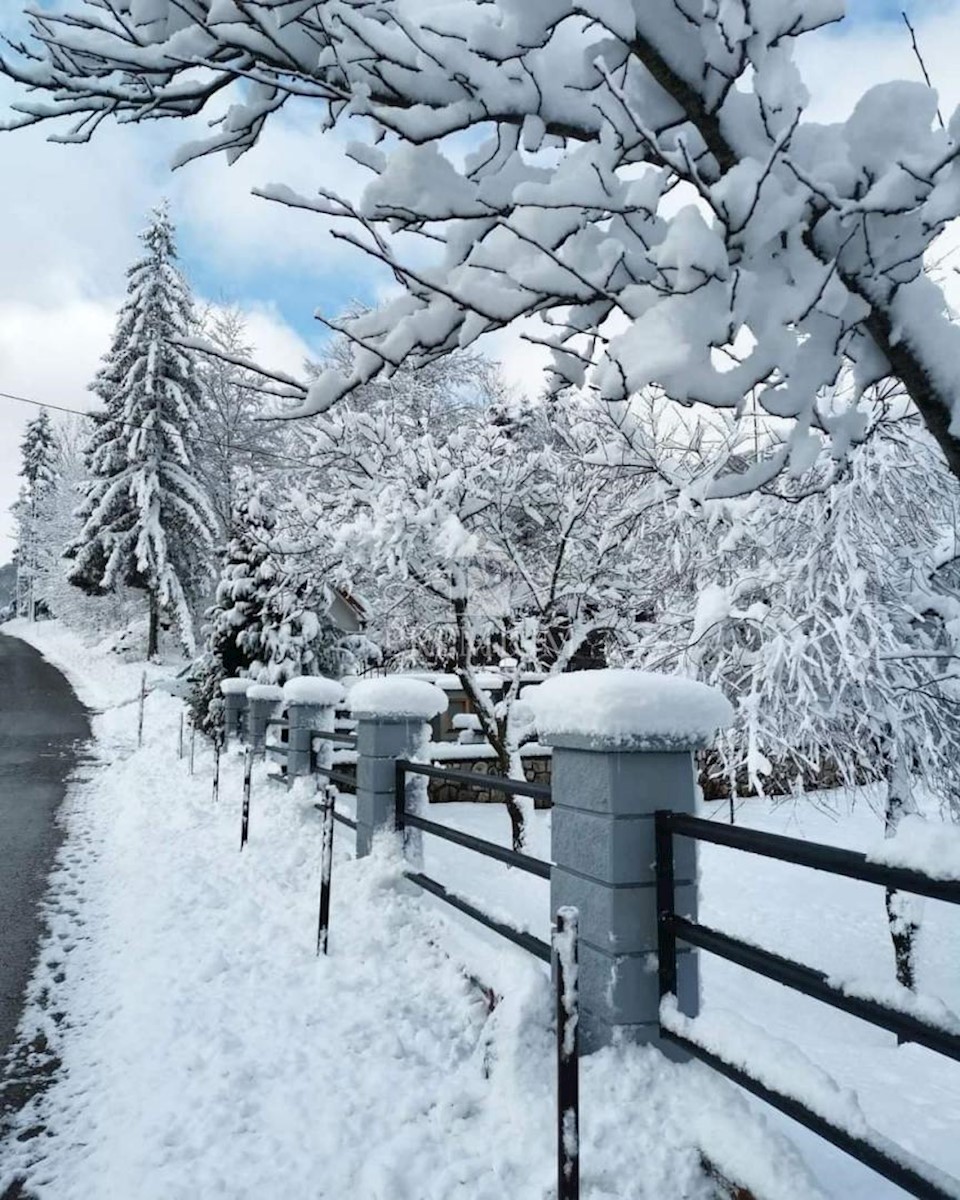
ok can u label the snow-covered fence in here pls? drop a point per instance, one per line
(392, 716)
(310, 707)
(263, 701)
(623, 744)
(234, 692)
(799, 1094)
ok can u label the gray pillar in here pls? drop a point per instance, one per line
(263, 702)
(311, 703)
(605, 792)
(380, 742)
(392, 715)
(234, 692)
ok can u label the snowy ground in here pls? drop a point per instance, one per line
(207, 1052)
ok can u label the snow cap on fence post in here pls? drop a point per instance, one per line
(234, 692)
(392, 715)
(623, 745)
(311, 701)
(263, 701)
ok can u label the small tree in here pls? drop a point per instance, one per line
(38, 451)
(264, 621)
(148, 522)
(236, 439)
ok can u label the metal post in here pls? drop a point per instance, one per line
(217, 741)
(180, 739)
(143, 696)
(245, 812)
(568, 1054)
(326, 869)
(193, 744)
(666, 906)
(400, 798)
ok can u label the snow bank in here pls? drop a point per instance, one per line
(631, 707)
(932, 847)
(265, 691)
(313, 689)
(235, 687)
(398, 696)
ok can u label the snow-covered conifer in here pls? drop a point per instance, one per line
(148, 522)
(263, 622)
(38, 469)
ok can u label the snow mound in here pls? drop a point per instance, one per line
(634, 708)
(313, 689)
(265, 691)
(235, 687)
(397, 697)
(932, 847)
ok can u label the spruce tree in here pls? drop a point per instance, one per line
(262, 623)
(148, 522)
(39, 452)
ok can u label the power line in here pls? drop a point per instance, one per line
(244, 446)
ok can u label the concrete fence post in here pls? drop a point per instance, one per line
(623, 745)
(392, 715)
(311, 702)
(263, 702)
(234, 692)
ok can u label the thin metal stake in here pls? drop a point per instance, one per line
(217, 738)
(666, 900)
(143, 696)
(180, 739)
(566, 969)
(326, 870)
(245, 814)
(193, 744)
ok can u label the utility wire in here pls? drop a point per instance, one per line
(245, 446)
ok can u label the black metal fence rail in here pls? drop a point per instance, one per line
(899, 1167)
(511, 858)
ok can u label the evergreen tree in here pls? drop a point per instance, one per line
(263, 623)
(148, 522)
(39, 452)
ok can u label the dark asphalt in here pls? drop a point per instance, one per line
(43, 727)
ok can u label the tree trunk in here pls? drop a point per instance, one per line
(153, 635)
(904, 910)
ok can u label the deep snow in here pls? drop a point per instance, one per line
(208, 1052)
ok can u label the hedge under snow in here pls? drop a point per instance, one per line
(636, 707)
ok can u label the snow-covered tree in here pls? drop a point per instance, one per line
(268, 619)
(148, 522)
(641, 180)
(829, 616)
(492, 534)
(235, 438)
(38, 469)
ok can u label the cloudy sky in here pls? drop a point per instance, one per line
(69, 218)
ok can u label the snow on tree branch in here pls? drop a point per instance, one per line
(641, 178)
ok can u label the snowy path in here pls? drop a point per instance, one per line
(42, 725)
(207, 1052)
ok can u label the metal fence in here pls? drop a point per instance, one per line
(562, 954)
(916, 1178)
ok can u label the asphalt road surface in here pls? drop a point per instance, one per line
(43, 727)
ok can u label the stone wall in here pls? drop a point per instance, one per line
(443, 791)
